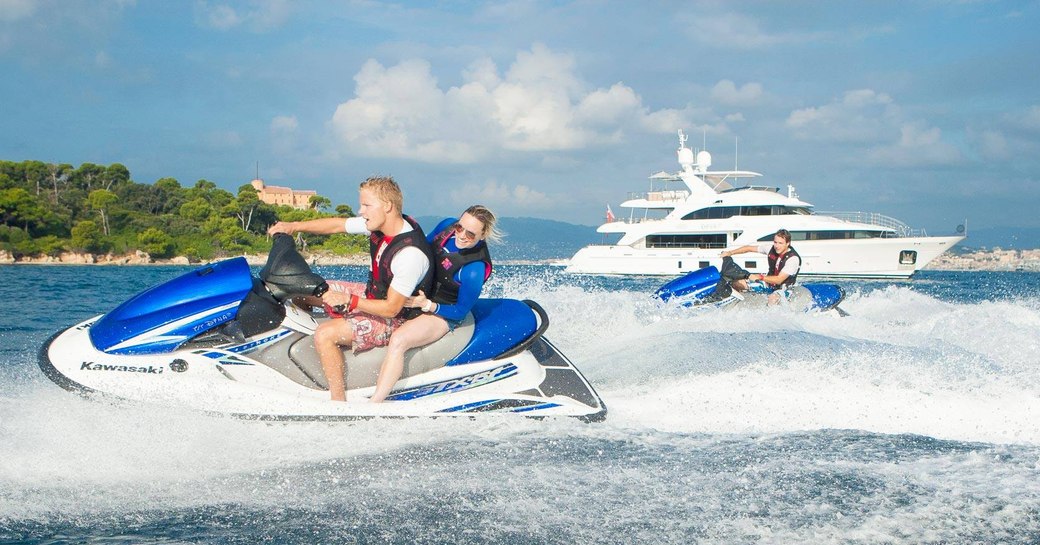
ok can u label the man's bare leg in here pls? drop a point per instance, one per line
(328, 340)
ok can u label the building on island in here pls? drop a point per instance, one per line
(277, 195)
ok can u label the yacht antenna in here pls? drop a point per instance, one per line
(736, 151)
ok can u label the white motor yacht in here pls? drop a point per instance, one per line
(687, 218)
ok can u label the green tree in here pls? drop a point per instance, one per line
(243, 206)
(114, 176)
(197, 210)
(88, 176)
(36, 175)
(229, 235)
(50, 245)
(86, 236)
(156, 243)
(19, 207)
(318, 202)
(344, 210)
(58, 176)
(102, 200)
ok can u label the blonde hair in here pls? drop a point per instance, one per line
(386, 190)
(487, 218)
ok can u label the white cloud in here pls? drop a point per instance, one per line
(284, 124)
(734, 30)
(15, 10)
(918, 145)
(727, 92)
(284, 131)
(874, 120)
(539, 104)
(258, 15)
(495, 193)
(862, 115)
(220, 17)
(1030, 119)
(738, 31)
(992, 145)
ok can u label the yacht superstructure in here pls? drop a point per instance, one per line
(688, 217)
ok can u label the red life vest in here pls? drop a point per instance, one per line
(777, 262)
(380, 275)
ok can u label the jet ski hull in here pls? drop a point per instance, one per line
(220, 340)
(696, 288)
(538, 381)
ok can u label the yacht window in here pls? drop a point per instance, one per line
(750, 264)
(761, 210)
(723, 212)
(686, 241)
(713, 213)
(703, 264)
(830, 235)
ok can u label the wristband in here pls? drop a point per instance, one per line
(427, 306)
(353, 303)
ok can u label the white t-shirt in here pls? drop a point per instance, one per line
(790, 267)
(409, 265)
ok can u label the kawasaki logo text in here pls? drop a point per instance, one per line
(91, 366)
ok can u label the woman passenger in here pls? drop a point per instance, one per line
(462, 264)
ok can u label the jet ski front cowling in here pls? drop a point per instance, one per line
(160, 319)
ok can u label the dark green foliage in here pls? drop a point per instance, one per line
(49, 208)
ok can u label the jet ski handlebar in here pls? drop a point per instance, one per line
(287, 274)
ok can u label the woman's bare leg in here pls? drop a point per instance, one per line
(419, 331)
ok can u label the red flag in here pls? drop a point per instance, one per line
(610, 214)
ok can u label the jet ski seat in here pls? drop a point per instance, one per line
(363, 369)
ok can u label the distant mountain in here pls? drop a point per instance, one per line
(532, 238)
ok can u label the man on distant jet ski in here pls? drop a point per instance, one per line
(400, 269)
(784, 263)
(462, 264)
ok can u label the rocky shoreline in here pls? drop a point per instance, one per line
(983, 260)
(142, 258)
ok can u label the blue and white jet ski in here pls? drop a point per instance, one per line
(222, 340)
(707, 289)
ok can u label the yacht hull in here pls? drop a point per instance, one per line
(858, 258)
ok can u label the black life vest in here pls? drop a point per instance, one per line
(380, 275)
(777, 262)
(448, 264)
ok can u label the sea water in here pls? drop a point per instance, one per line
(914, 419)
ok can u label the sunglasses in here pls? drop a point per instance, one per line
(459, 230)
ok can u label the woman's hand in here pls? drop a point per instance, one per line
(417, 301)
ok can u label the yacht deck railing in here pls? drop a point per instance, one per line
(675, 195)
(870, 218)
(880, 220)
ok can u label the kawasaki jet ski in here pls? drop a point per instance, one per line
(222, 340)
(709, 288)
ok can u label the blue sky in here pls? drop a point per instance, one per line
(928, 111)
